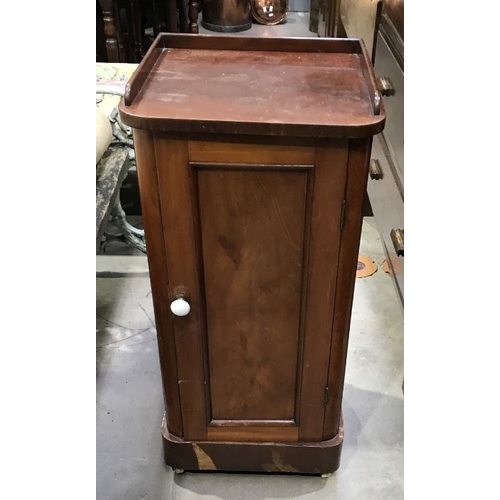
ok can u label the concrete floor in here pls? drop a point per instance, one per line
(130, 464)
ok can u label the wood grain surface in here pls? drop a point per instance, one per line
(295, 87)
(252, 232)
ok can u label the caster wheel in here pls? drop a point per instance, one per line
(327, 474)
(178, 471)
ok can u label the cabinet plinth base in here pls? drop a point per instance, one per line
(301, 457)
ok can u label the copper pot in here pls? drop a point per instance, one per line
(269, 12)
(226, 15)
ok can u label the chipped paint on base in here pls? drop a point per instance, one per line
(204, 461)
(278, 465)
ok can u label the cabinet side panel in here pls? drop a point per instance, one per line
(150, 204)
(252, 233)
(328, 192)
(357, 177)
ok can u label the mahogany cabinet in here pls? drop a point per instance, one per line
(252, 156)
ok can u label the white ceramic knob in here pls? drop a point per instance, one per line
(180, 307)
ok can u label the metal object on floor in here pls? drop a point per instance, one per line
(126, 232)
(228, 16)
(269, 12)
(114, 215)
(110, 172)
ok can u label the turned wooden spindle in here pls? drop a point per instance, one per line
(193, 16)
(110, 31)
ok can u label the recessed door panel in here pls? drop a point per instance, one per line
(252, 224)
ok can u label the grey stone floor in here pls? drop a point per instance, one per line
(129, 403)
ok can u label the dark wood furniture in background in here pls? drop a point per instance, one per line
(115, 48)
(122, 25)
(252, 207)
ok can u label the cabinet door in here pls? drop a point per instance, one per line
(252, 235)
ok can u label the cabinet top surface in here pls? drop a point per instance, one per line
(237, 85)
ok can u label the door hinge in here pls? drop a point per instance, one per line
(325, 398)
(342, 215)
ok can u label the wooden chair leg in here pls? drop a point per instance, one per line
(193, 16)
(110, 30)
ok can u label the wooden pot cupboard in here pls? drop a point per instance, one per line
(252, 157)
